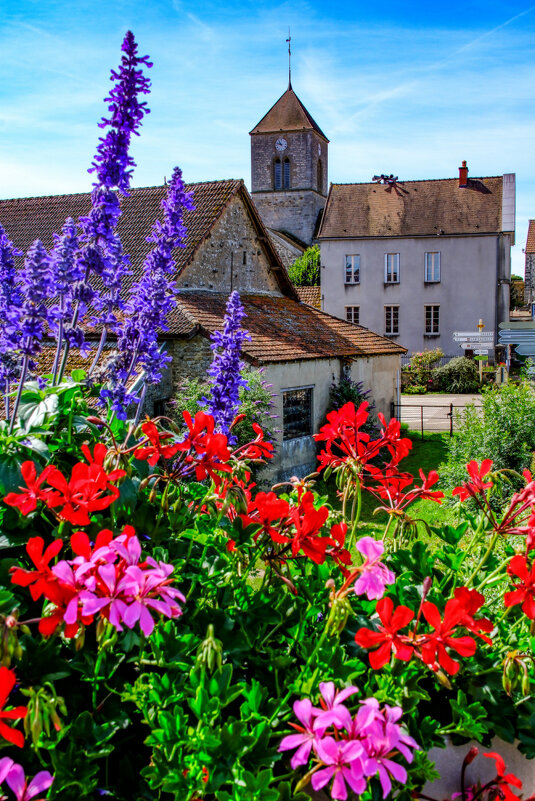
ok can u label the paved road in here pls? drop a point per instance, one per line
(433, 410)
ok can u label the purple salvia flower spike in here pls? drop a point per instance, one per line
(226, 367)
(10, 306)
(151, 300)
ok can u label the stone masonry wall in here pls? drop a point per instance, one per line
(233, 243)
(295, 212)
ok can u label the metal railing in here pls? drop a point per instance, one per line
(428, 417)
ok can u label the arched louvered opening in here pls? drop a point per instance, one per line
(277, 174)
(320, 175)
(286, 173)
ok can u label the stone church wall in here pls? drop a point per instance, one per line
(231, 257)
(295, 212)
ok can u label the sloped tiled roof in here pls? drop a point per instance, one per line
(30, 218)
(311, 295)
(288, 114)
(530, 243)
(413, 208)
(281, 329)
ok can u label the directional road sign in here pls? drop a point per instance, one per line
(473, 336)
(521, 325)
(481, 352)
(476, 346)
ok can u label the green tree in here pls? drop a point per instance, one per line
(305, 271)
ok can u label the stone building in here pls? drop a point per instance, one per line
(289, 174)
(301, 349)
(418, 260)
(529, 279)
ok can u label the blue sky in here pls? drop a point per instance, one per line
(409, 88)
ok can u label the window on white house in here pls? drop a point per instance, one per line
(391, 268)
(432, 268)
(391, 320)
(353, 314)
(296, 413)
(352, 271)
(432, 319)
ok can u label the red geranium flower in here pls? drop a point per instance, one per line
(503, 779)
(266, 510)
(387, 637)
(7, 682)
(152, 452)
(33, 492)
(307, 522)
(39, 579)
(476, 485)
(434, 647)
(524, 592)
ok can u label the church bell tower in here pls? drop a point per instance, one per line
(289, 162)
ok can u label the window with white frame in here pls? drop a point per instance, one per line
(391, 320)
(432, 268)
(353, 314)
(432, 320)
(391, 268)
(352, 271)
(296, 413)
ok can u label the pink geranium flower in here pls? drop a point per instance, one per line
(332, 709)
(343, 760)
(18, 782)
(374, 575)
(304, 741)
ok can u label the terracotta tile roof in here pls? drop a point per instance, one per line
(282, 330)
(413, 208)
(530, 243)
(311, 295)
(288, 114)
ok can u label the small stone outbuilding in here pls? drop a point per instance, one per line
(302, 349)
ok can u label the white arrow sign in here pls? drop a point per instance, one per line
(481, 352)
(472, 336)
(474, 345)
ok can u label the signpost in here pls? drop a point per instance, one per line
(479, 341)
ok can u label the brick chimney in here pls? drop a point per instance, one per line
(463, 175)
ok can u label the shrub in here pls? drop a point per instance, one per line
(502, 430)
(458, 375)
(422, 364)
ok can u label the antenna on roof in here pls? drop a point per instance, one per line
(289, 40)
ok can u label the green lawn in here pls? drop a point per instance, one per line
(428, 454)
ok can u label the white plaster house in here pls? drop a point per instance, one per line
(302, 349)
(418, 260)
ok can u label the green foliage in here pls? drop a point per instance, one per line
(198, 709)
(458, 375)
(305, 271)
(502, 430)
(348, 391)
(256, 403)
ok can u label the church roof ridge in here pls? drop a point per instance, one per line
(287, 114)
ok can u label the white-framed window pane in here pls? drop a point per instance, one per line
(432, 267)
(353, 314)
(391, 268)
(352, 269)
(297, 413)
(432, 319)
(392, 319)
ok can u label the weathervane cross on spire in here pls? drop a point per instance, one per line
(289, 40)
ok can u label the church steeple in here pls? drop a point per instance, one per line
(289, 166)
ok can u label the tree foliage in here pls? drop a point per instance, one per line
(305, 271)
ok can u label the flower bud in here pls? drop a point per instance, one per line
(471, 755)
(210, 651)
(340, 611)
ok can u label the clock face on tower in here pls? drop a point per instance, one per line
(281, 144)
